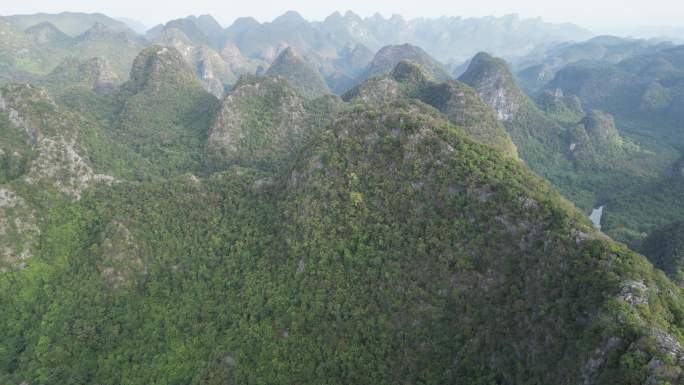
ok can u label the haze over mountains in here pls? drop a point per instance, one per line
(350, 201)
(247, 43)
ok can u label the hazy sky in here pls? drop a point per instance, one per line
(593, 14)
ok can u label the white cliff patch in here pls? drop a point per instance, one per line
(596, 216)
(18, 229)
(17, 119)
(61, 166)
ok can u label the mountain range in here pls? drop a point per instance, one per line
(349, 201)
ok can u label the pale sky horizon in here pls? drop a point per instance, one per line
(596, 15)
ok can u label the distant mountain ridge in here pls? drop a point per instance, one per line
(446, 38)
(338, 48)
(71, 23)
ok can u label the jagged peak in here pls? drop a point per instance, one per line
(302, 76)
(209, 20)
(287, 60)
(232, 55)
(493, 80)
(190, 28)
(158, 64)
(290, 17)
(483, 62)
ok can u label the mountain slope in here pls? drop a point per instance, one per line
(377, 255)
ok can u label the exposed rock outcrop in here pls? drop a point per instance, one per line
(493, 81)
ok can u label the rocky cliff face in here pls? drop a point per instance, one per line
(208, 64)
(495, 84)
(237, 62)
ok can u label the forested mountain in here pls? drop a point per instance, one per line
(458, 102)
(198, 207)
